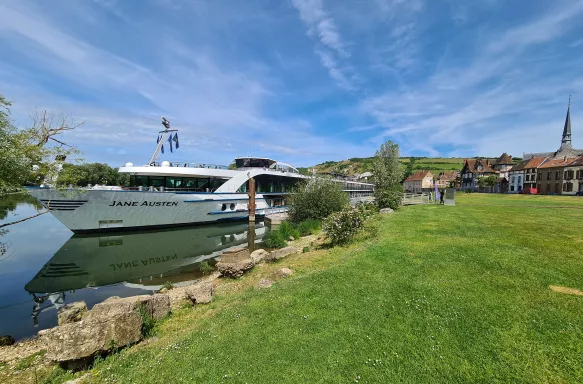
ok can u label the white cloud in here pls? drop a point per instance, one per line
(471, 108)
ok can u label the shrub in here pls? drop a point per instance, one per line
(316, 199)
(287, 229)
(275, 239)
(389, 198)
(368, 208)
(168, 286)
(340, 227)
(306, 249)
(309, 227)
(148, 321)
(205, 268)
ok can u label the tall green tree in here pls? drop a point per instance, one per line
(32, 154)
(387, 176)
(410, 166)
(81, 175)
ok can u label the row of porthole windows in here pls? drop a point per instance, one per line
(224, 207)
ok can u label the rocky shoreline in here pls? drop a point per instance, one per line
(117, 323)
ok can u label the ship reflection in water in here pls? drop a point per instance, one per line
(145, 260)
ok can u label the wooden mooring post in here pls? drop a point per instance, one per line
(251, 199)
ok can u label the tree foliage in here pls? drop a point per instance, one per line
(316, 199)
(410, 168)
(91, 173)
(387, 176)
(341, 227)
(31, 155)
(487, 181)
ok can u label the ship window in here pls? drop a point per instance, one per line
(156, 182)
(174, 182)
(223, 207)
(232, 206)
(141, 181)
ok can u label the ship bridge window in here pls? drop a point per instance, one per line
(253, 163)
(271, 184)
(198, 184)
(156, 182)
(174, 182)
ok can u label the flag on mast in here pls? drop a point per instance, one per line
(176, 145)
(170, 141)
(437, 196)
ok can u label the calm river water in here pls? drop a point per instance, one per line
(44, 266)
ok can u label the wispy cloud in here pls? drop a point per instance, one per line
(332, 48)
(310, 82)
(469, 106)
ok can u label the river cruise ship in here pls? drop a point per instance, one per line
(169, 194)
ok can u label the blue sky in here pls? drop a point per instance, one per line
(302, 81)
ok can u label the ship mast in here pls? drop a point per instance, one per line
(164, 133)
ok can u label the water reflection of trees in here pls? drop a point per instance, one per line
(9, 203)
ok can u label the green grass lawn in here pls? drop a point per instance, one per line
(438, 295)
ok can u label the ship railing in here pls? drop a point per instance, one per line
(190, 165)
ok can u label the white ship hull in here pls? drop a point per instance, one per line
(87, 210)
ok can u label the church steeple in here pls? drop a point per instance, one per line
(566, 140)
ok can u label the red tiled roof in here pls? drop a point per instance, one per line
(486, 166)
(577, 162)
(535, 162)
(448, 176)
(419, 176)
(558, 163)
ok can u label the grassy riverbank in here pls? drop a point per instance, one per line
(438, 294)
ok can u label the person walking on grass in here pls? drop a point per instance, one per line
(441, 195)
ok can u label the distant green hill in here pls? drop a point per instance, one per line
(364, 164)
(358, 165)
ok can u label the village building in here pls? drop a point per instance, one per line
(531, 171)
(524, 174)
(503, 165)
(473, 170)
(419, 182)
(446, 179)
(551, 176)
(573, 177)
(566, 149)
(516, 177)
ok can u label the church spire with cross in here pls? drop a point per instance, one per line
(566, 140)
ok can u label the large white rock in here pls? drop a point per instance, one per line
(71, 313)
(281, 253)
(199, 293)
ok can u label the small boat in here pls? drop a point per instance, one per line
(169, 194)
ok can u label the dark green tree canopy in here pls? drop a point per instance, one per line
(91, 173)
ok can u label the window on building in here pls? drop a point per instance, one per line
(548, 175)
(512, 188)
(539, 177)
(557, 175)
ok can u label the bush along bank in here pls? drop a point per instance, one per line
(288, 231)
